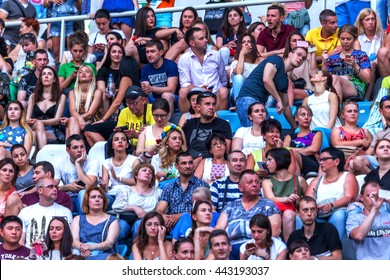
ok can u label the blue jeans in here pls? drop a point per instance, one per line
(348, 12)
(242, 105)
(383, 11)
(238, 80)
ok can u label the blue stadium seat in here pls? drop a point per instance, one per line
(273, 114)
(122, 249)
(364, 112)
(230, 117)
(326, 134)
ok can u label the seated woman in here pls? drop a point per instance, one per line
(350, 68)
(24, 181)
(246, 58)
(67, 55)
(249, 139)
(111, 38)
(58, 240)
(263, 245)
(271, 130)
(10, 202)
(184, 249)
(194, 111)
(324, 102)
(46, 106)
(214, 168)
(298, 250)
(149, 141)
(353, 138)
(141, 198)
(283, 188)
(84, 102)
(381, 175)
(95, 233)
(173, 143)
(175, 36)
(371, 39)
(150, 243)
(233, 26)
(118, 167)
(255, 28)
(334, 190)
(305, 143)
(15, 130)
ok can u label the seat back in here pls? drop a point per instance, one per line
(51, 152)
(98, 152)
(231, 118)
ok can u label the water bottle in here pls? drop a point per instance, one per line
(110, 86)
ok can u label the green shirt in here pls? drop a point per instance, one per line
(67, 69)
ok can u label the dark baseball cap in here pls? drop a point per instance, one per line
(133, 92)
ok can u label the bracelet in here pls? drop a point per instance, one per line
(331, 204)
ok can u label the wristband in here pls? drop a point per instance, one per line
(331, 204)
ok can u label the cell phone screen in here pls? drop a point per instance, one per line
(262, 165)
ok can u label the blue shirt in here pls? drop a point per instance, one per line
(12, 135)
(217, 190)
(254, 85)
(179, 201)
(185, 223)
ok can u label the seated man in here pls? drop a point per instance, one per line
(160, 77)
(11, 233)
(176, 197)
(370, 230)
(220, 247)
(235, 217)
(131, 120)
(77, 170)
(200, 67)
(36, 217)
(323, 238)
(45, 169)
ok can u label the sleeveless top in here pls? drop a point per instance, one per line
(327, 193)
(150, 140)
(257, 156)
(26, 181)
(302, 141)
(213, 171)
(321, 108)
(347, 136)
(95, 233)
(3, 204)
(49, 114)
(285, 188)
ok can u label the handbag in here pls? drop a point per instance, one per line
(283, 206)
(214, 17)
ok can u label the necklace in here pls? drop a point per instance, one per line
(332, 180)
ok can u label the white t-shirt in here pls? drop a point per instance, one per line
(124, 171)
(275, 249)
(130, 196)
(36, 219)
(250, 142)
(97, 38)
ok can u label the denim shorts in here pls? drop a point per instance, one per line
(55, 29)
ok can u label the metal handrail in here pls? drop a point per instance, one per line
(157, 11)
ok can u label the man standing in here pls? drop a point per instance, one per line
(11, 232)
(36, 217)
(176, 197)
(220, 247)
(28, 82)
(197, 130)
(323, 238)
(201, 67)
(135, 117)
(325, 37)
(370, 230)
(226, 189)
(76, 170)
(235, 217)
(270, 78)
(273, 38)
(160, 77)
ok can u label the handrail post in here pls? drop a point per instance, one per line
(62, 39)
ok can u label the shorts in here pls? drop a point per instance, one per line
(153, 97)
(55, 29)
(125, 20)
(104, 129)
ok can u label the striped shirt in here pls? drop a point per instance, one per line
(217, 190)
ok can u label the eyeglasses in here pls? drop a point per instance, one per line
(325, 159)
(134, 103)
(160, 116)
(50, 186)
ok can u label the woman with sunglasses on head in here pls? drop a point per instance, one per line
(183, 249)
(283, 188)
(15, 129)
(355, 138)
(263, 245)
(67, 55)
(333, 190)
(149, 141)
(10, 202)
(46, 106)
(150, 243)
(249, 139)
(351, 68)
(305, 143)
(324, 102)
(214, 168)
(84, 102)
(173, 143)
(95, 232)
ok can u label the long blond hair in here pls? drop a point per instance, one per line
(78, 93)
(359, 21)
(166, 160)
